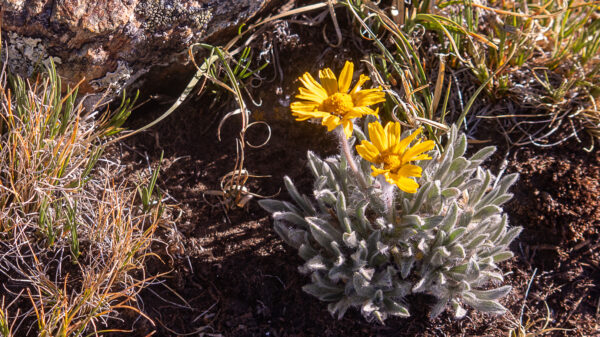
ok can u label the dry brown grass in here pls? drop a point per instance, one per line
(73, 242)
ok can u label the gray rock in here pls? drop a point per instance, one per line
(112, 43)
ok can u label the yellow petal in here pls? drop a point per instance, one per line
(368, 97)
(348, 127)
(363, 110)
(313, 86)
(303, 106)
(377, 136)
(410, 170)
(416, 150)
(361, 80)
(422, 157)
(392, 131)
(329, 81)
(405, 184)
(401, 146)
(302, 116)
(353, 114)
(310, 96)
(368, 151)
(346, 77)
(331, 122)
(377, 171)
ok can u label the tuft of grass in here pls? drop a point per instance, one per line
(534, 64)
(542, 55)
(48, 148)
(102, 282)
(415, 88)
(146, 193)
(73, 241)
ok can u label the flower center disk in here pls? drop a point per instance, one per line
(338, 103)
(392, 162)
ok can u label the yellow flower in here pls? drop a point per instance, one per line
(392, 155)
(331, 101)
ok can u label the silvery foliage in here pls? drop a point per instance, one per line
(370, 248)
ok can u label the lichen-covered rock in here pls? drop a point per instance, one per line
(112, 43)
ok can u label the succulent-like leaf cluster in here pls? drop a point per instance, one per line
(370, 246)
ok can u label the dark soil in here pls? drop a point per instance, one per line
(232, 275)
(239, 279)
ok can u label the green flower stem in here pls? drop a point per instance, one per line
(350, 158)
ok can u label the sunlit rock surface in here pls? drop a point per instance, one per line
(113, 43)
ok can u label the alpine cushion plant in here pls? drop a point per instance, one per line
(372, 235)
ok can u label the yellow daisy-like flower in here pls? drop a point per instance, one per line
(392, 155)
(331, 101)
